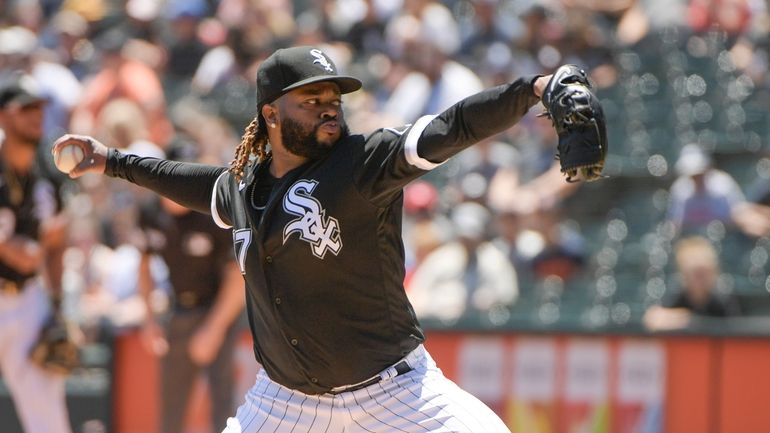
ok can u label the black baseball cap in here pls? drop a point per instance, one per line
(290, 68)
(19, 88)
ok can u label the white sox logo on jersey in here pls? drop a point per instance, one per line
(313, 226)
(321, 60)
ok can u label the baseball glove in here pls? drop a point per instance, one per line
(57, 350)
(579, 120)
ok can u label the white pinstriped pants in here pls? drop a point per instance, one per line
(422, 400)
(38, 395)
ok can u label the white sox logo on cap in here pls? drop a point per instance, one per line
(321, 59)
(321, 232)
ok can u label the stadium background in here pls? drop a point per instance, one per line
(589, 259)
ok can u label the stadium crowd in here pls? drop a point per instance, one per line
(491, 230)
(494, 236)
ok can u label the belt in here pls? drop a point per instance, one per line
(401, 367)
(9, 287)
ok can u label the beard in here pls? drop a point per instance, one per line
(302, 140)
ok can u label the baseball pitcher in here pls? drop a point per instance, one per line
(315, 214)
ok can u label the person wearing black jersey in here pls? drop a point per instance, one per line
(316, 226)
(29, 230)
(207, 299)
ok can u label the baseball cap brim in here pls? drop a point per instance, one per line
(346, 83)
(27, 99)
(21, 91)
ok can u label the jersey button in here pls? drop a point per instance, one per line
(294, 342)
(314, 380)
(277, 301)
(269, 259)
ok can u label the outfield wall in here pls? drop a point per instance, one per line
(544, 382)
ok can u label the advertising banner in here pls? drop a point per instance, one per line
(532, 399)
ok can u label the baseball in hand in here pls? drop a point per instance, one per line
(68, 158)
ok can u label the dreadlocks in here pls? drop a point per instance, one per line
(253, 142)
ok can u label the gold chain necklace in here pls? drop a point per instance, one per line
(16, 189)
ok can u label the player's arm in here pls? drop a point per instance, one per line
(230, 299)
(152, 335)
(145, 284)
(433, 140)
(188, 184)
(658, 318)
(210, 335)
(53, 233)
(391, 158)
(752, 218)
(22, 254)
(54, 243)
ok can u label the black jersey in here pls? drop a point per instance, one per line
(324, 260)
(324, 263)
(25, 201)
(195, 250)
(715, 306)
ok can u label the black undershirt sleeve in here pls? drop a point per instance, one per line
(186, 183)
(475, 118)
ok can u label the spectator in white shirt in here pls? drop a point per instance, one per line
(701, 194)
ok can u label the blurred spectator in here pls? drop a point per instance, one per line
(264, 24)
(139, 22)
(701, 194)
(468, 274)
(426, 46)
(530, 228)
(214, 135)
(219, 63)
(540, 245)
(698, 266)
(478, 165)
(185, 50)
(591, 28)
(535, 143)
(112, 267)
(92, 10)
(20, 50)
(226, 73)
(110, 296)
(367, 35)
(208, 297)
(731, 16)
(486, 42)
(437, 24)
(67, 37)
(511, 190)
(195, 62)
(424, 227)
(753, 216)
(122, 76)
(563, 254)
(544, 28)
(122, 124)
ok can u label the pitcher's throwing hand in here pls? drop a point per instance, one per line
(94, 153)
